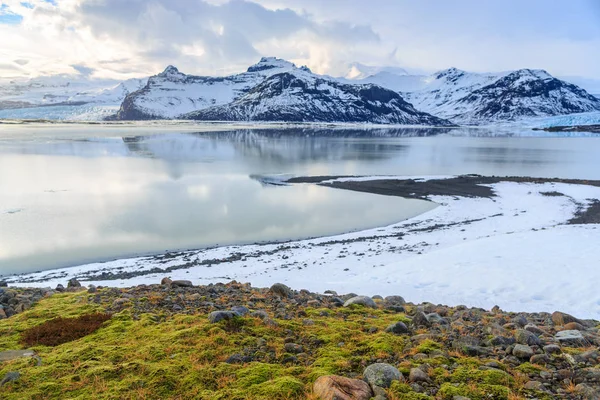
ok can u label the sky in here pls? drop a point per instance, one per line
(120, 39)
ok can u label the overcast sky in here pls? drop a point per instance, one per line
(130, 38)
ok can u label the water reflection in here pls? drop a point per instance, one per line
(65, 201)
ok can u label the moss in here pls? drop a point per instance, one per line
(528, 368)
(403, 391)
(428, 346)
(474, 391)
(468, 375)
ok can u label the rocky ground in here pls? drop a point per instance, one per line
(177, 340)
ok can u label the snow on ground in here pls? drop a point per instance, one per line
(513, 250)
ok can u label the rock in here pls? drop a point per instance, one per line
(502, 341)
(73, 283)
(525, 337)
(166, 281)
(293, 348)
(240, 310)
(534, 329)
(460, 398)
(535, 385)
(377, 297)
(420, 319)
(182, 283)
(560, 318)
(3, 284)
(587, 392)
(262, 314)
(10, 355)
(238, 359)
(520, 320)
(333, 387)
(435, 318)
(281, 290)
(574, 326)
(361, 300)
(552, 349)
(418, 375)
(539, 359)
(399, 300)
(60, 288)
(399, 328)
(10, 377)
(522, 351)
(572, 339)
(217, 316)
(590, 356)
(92, 289)
(382, 375)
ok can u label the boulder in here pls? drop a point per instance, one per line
(399, 328)
(525, 337)
(281, 290)
(73, 283)
(418, 375)
(10, 377)
(333, 387)
(182, 283)
(398, 300)
(572, 339)
(522, 351)
(560, 318)
(217, 316)
(166, 281)
(382, 375)
(361, 300)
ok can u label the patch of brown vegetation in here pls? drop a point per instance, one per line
(62, 330)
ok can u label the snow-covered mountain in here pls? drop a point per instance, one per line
(271, 90)
(361, 71)
(64, 89)
(301, 96)
(476, 98)
(521, 94)
(171, 93)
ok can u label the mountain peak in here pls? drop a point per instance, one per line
(170, 70)
(267, 63)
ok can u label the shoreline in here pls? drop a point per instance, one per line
(475, 214)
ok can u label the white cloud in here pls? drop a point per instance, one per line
(126, 38)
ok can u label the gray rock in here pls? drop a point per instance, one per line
(10, 355)
(73, 283)
(92, 289)
(399, 328)
(217, 316)
(552, 349)
(293, 348)
(525, 337)
(10, 377)
(281, 290)
(418, 375)
(572, 339)
(587, 392)
(435, 318)
(3, 284)
(382, 375)
(534, 329)
(262, 314)
(240, 310)
(399, 300)
(520, 320)
(182, 283)
(377, 297)
(522, 351)
(420, 319)
(60, 288)
(535, 385)
(361, 300)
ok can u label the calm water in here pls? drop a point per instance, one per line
(81, 194)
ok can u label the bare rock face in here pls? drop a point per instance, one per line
(333, 387)
(560, 318)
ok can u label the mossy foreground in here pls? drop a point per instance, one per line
(160, 344)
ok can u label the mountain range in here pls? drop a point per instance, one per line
(277, 90)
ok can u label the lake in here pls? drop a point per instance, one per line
(71, 194)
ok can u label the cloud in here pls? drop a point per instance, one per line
(82, 69)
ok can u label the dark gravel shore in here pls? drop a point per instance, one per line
(460, 186)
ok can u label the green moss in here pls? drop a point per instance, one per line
(491, 377)
(403, 391)
(474, 392)
(528, 368)
(428, 346)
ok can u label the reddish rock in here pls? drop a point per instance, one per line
(333, 387)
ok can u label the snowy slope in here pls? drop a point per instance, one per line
(300, 96)
(477, 98)
(521, 94)
(172, 93)
(361, 71)
(64, 89)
